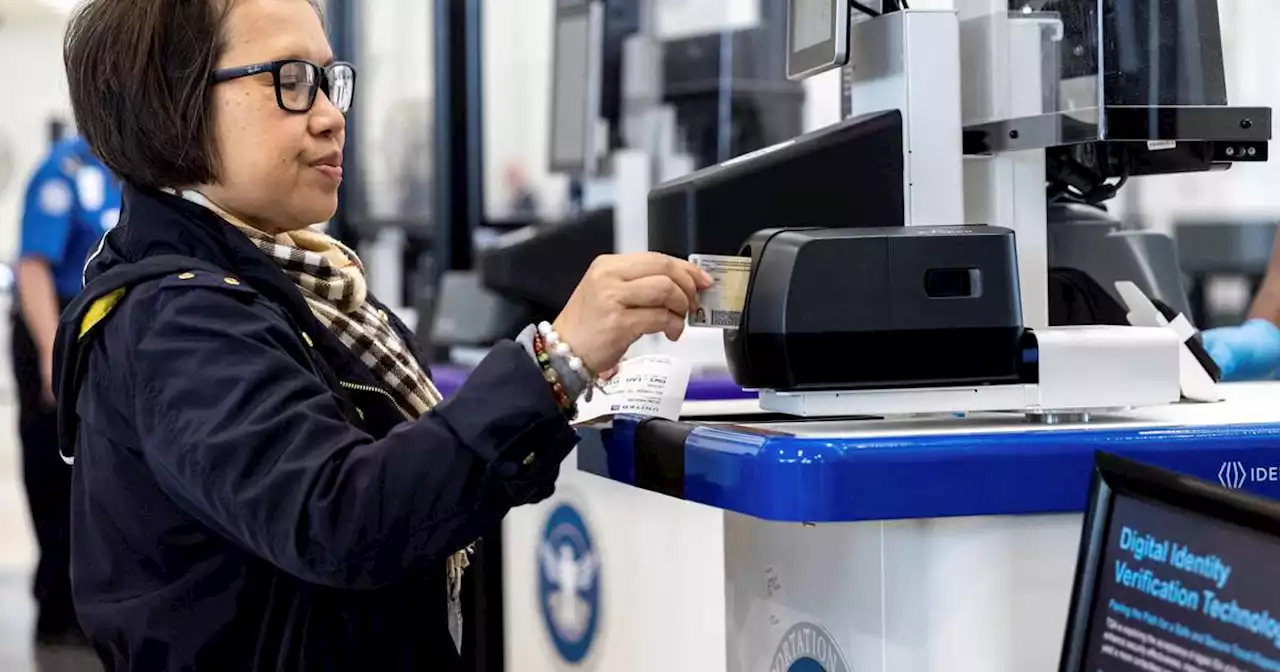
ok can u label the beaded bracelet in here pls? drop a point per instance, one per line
(543, 354)
(575, 363)
(562, 349)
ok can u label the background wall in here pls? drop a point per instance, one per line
(517, 67)
(35, 91)
(1247, 191)
(517, 84)
(395, 94)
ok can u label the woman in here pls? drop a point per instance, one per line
(265, 478)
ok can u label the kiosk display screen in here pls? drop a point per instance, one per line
(819, 36)
(572, 121)
(814, 23)
(1178, 584)
(573, 35)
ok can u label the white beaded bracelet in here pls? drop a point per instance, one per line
(560, 347)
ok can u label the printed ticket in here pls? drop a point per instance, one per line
(650, 385)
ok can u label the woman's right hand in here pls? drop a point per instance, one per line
(624, 297)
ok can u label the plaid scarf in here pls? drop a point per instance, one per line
(331, 279)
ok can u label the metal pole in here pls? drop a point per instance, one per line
(459, 211)
(458, 127)
(344, 25)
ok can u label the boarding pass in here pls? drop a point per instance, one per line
(720, 305)
(649, 385)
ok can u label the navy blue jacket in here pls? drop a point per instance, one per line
(246, 495)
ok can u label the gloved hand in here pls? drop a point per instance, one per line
(1250, 351)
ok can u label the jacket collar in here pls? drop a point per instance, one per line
(155, 222)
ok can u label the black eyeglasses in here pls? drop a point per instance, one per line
(297, 82)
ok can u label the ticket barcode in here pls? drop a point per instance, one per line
(726, 318)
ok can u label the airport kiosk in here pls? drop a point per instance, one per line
(907, 492)
(927, 545)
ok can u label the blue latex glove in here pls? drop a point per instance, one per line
(1250, 351)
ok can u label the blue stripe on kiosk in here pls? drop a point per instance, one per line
(784, 477)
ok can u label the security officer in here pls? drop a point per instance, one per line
(1251, 351)
(71, 202)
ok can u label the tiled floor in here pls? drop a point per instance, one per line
(17, 552)
(17, 545)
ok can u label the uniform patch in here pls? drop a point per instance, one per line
(91, 184)
(55, 198)
(110, 218)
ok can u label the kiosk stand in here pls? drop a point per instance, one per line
(927, 545)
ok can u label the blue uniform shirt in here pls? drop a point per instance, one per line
(71, 203)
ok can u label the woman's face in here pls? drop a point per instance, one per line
(277, 170)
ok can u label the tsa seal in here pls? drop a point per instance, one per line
(569, 584)
(808, 647)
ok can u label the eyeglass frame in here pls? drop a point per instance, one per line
(274, 67)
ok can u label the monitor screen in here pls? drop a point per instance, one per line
(1178, 586)
(814, 24)
(572, 118)
(818, 37)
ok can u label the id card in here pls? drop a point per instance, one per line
(722, 302)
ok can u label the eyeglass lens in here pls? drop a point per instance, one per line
(299, 82)
(342, 86)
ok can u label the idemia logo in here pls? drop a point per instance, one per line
(1232, 475)
(1235, 475)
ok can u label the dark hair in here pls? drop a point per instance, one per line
(139, 73)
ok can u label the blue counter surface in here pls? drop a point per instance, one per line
(448, 379)
(791, 477)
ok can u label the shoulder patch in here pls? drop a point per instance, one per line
(207, 280)
(110, 218)
(91, 186)
(55, 198)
